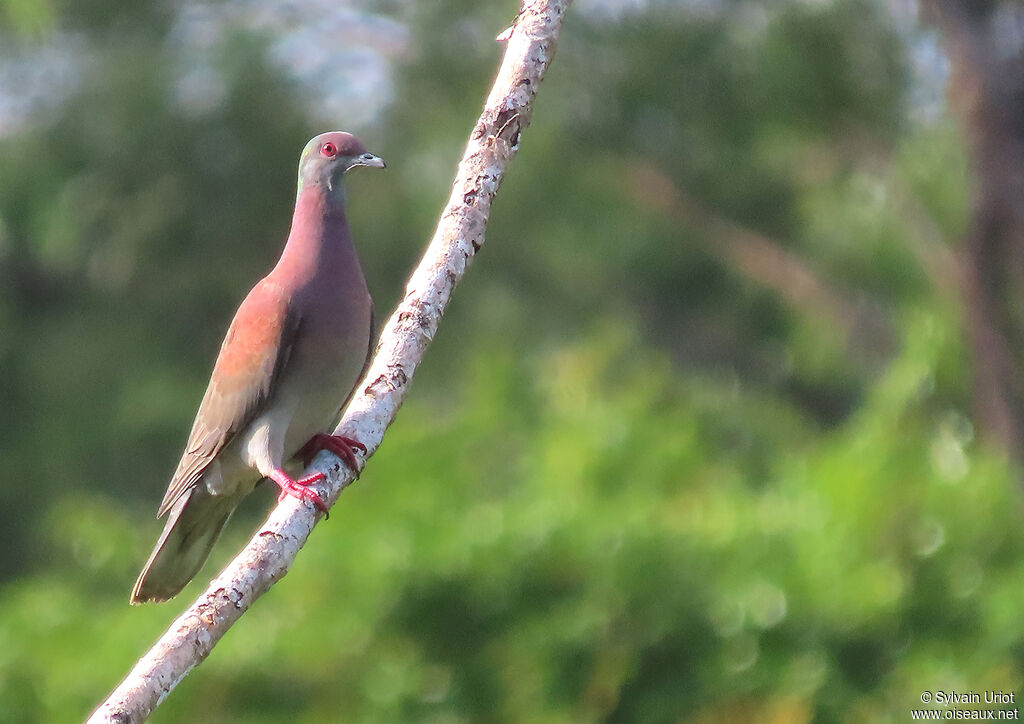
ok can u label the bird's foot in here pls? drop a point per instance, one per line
(343, 447)
(299, 488)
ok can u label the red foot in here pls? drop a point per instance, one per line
(299, 488)
(343, 447)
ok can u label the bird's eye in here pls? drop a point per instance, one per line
(329, 150)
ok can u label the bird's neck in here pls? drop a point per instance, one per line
(319, 242)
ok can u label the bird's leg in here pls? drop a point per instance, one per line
(299, 488)
(343, 447)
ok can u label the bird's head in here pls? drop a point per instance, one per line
(327, 157)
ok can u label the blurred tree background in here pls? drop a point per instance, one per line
(721, 426)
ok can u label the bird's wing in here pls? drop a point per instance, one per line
(255, 350)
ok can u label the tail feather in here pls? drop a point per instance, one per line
(193, 525)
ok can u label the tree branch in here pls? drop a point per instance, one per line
(766, 261)
(985, 47)
(459, 235)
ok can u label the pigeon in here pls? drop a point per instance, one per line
(296, 348)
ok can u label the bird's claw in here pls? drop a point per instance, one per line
(300, 489)
(343, 447)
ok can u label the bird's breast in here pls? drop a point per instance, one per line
(328, 357)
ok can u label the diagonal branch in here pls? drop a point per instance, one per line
(459, 235)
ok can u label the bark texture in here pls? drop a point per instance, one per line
(459, 235)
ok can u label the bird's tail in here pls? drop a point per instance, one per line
(193, 526)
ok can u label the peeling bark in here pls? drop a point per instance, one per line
(459, 235)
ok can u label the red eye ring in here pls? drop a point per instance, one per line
(329, 150)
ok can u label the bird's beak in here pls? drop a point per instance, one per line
(368, 159)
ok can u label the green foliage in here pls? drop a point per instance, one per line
(618, 548)
(644, 474)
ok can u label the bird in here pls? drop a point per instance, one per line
(297, 345)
